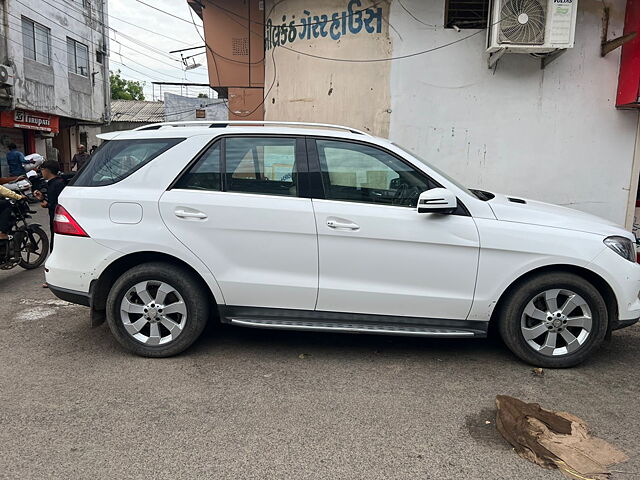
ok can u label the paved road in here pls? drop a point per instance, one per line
(242, 404)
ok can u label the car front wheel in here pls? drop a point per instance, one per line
(157, 310)
(554, 320)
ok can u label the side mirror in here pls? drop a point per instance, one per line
(437, 200)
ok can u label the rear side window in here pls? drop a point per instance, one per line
(117, 159)
(205, 174)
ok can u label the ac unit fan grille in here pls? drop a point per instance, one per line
(522, 22)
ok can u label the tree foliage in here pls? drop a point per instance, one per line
(122, 89)
(203, 95)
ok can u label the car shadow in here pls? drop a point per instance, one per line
(620, 349)
(340, 343)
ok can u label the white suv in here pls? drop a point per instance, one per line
(325, 228)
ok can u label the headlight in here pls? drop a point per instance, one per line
(622, 246)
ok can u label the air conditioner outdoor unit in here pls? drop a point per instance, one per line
(531, 26)
(6, 75)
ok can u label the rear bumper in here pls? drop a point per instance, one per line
(76, 262)
(73, 296)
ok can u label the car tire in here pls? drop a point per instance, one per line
(569, 334)
(159, 294)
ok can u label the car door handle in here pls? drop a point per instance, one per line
(190, 214)
(340, 224)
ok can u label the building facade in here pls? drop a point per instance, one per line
(418, 73)
(57, 82)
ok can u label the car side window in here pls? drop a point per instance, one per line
(261, 165)
(354, 172)
(205, 174)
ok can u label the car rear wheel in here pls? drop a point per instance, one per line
(157, 310)
(554, 320)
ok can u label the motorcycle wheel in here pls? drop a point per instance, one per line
(33, 254)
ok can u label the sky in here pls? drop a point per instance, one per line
(143, 55)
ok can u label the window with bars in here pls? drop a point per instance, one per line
(467, 13)
(36, 41)
(78, 56)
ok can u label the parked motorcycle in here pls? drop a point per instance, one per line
(23, 187)
(33, 180)
(28, 243)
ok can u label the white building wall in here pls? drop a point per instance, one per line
(51, 88)
(552, 134)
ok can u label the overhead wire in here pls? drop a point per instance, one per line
(66, 65)
(167, 13)
(63, 49)
(410, 13)
(386, 59)
(102, 23)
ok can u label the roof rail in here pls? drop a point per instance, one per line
(231, 123)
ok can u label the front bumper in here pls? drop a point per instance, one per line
(623, 277)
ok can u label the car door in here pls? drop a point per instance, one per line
(237, 207)
(377, 255)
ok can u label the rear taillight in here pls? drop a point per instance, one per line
(65, 224)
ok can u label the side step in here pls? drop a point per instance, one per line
(379, 329)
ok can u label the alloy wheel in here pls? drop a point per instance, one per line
(556, 322)
(153, 312)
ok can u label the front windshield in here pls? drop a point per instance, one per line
(437, 170)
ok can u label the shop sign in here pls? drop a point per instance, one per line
(30, 120)
(34, 121)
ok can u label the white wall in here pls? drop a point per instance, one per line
(52, 89)
(552, 135)
(315, 90)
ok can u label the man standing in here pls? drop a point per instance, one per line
(55, 185)
(16, 161)
(80, 158)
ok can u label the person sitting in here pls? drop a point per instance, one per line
(5, 210)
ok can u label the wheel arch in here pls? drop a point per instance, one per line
(596, 280)
(101, 286)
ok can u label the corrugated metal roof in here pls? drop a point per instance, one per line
(137, 111)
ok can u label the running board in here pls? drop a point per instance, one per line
(378, 329)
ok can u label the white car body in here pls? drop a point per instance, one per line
(278, 253)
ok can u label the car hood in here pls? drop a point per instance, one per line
(517, 209)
